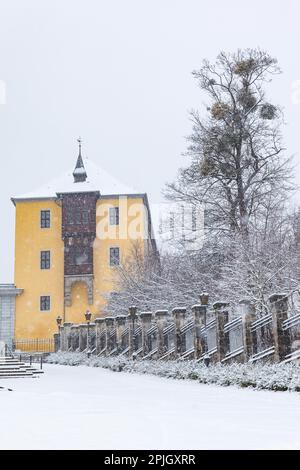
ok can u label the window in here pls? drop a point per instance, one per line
(85, 217)
(114, 256)
(77, 217)
(44, 303)
(45, 219)
(70, 218)
(113, 216)
(45, 259)
(79, 255)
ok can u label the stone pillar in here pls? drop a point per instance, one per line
(120, 328)
(179, 318)
(99, 327)
(161, 317)
(247, 310)
(62, 338)
(146, 319)
(56, 342)
(110, 323)
(60, 333)
(132, 319)
(221, 320)
(67, 335)
(74, 337)
(279, 310)
(199, 312)
(82, 336)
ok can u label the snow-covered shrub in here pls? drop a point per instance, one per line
(277, 377)
(68, 359)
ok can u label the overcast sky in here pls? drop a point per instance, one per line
(118, 73)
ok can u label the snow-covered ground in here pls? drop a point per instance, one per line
(92, 408)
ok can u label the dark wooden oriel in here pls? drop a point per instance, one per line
(78, 231)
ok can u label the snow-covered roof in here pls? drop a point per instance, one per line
(97, 180)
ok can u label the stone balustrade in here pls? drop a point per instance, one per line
(202, 332)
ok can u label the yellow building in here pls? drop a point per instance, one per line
(71, 236)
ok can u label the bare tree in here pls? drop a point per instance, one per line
(151, 284)
(229, 269)
(240, 173)
(237, 158)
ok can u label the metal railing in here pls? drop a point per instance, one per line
(234, 337)
(37, 358)
(34, 345)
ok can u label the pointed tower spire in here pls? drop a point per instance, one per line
(79, 173)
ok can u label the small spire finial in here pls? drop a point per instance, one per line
(79, 172)
(79, 140)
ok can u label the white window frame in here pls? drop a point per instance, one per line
(114, 209)
(114, 265)
(45, 269)
(40, 221)
(45, 295)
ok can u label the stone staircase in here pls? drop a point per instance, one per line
(12, 368)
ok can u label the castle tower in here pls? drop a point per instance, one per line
(78, 234)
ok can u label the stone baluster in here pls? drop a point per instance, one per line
(110, 324)
(100, 327)
(92, 336)
(279, 310)
(161, 317)
(145, 319)
(179, 318)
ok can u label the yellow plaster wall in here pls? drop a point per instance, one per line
(75, 313)
(31, 240)
(104, 273)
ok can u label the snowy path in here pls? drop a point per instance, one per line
(90, 408)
